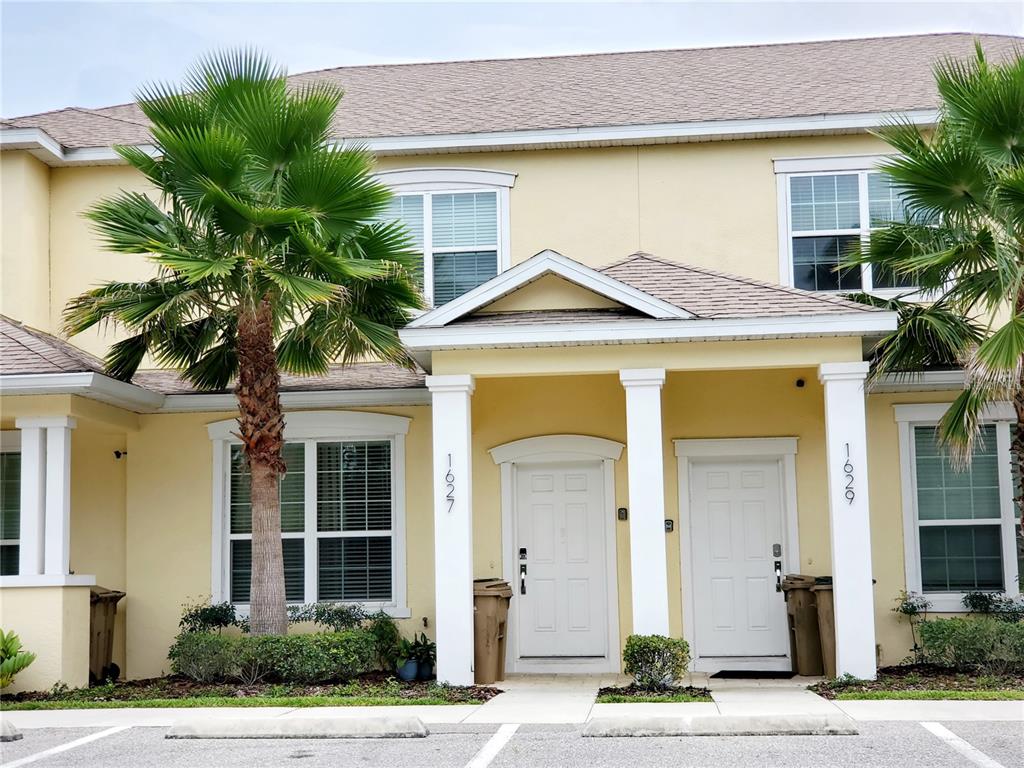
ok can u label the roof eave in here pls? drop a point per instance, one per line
(47, 149)
(94, 386)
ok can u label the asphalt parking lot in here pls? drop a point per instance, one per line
(879, 745)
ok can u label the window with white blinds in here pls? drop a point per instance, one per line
(458, 235)
(827, 215)
(337, 522)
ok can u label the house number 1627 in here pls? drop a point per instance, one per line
(848, 474)
(449, 481)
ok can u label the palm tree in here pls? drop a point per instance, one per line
(268, 257)
(962, 242)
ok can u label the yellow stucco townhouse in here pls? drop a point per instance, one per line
(640, 395)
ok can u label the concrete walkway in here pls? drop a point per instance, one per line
(564, 699)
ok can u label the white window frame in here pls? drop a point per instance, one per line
(928, 415)
(312, 427)
(427, 182)
(10, 442)
(859, 165)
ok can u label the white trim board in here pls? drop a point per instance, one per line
(645, 331)
(95, 386)
(50, 151)
(784, 449)
(541, 264)
(547, 449)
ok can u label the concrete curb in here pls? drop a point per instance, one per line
(301, 728)
(724, 725)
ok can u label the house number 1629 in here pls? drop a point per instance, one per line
(449, 481)
(848, 474)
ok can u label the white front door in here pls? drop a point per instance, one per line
(737, 539)
(561, 601)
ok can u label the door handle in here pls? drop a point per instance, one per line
(522, 578)
(778, 575)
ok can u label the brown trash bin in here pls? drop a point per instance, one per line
(490, 617)
(825, 604)
(102, 610)
(803, 624)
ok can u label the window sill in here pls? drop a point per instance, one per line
(394, 611)
(47, 580)
(949, 602)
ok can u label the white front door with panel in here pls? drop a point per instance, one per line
(561, 599)
(737, 539)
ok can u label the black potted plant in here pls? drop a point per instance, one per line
(425, 651)
(408, 665)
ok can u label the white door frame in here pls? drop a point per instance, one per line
(783, 450)
(552, 449)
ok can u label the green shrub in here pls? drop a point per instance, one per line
(994, 604)
(204, 617)
(202, 656)
(322, 656)
(986, 645)
(336, 617)
(655, 661)
(386, 636)
(12, 659)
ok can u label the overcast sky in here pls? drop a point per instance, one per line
(93, 54)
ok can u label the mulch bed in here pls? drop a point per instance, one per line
(632, 691)
(372, 684)
(921, 677)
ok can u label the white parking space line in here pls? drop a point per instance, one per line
(65, 747)
(973, 754)
(493, 746)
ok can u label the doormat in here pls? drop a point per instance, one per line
(746, 674)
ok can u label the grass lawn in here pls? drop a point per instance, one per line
(231, 701)
(925, 682)
(1006, 695)
(373, 689)
(633, 695)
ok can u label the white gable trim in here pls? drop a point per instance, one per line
(646, 331)
(544, 263)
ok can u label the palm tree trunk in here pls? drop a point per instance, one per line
(261, 427)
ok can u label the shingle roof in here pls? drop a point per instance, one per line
(26, 350)
(348, 377)
(706, 293)
(638, 88)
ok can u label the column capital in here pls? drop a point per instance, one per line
(45, 422)
(455, 382)
(642, 377)
(843, 371)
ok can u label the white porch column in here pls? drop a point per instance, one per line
(453, 526)
(645, 451)
(846, 456)
(33, 496)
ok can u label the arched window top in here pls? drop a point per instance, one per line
(324, 424)
(413, 179)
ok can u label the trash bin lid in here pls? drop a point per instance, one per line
(491, 588)
(102, 593)
(797, 581)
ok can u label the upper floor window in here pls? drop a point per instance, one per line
(823, 215)
(458, 219)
